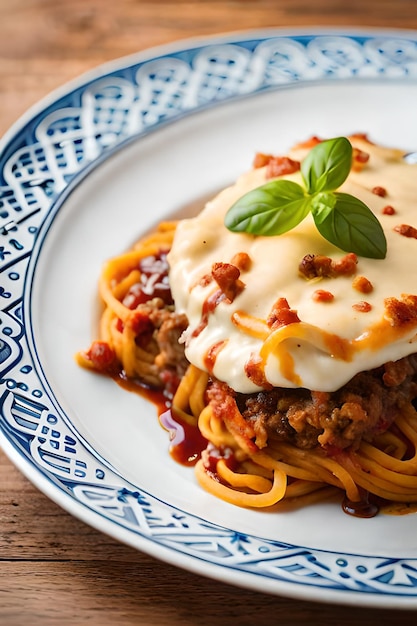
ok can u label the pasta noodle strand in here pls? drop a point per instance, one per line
(233, 468)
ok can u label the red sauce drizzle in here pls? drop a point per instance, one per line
(159, 398)
(211, 356)
(363, 508)
(209, 306)
(187, 443)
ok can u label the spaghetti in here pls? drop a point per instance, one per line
(138, 329)
(243, 462)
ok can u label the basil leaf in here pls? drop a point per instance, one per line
(280, 205)
(272, 209)
(349, 224)
(327, 165)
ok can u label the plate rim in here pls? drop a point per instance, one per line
(25, 465)
(177, 45)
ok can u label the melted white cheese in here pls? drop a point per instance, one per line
(299, 354)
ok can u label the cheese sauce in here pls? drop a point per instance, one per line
(335, 338)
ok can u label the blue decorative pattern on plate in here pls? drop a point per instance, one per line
(48, 156)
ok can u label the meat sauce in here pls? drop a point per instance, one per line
(364, 508)
(153, 283)
(186, 442)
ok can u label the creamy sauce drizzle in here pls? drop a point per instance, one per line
(334, 340)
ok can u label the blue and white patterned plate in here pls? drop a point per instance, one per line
(86, 172)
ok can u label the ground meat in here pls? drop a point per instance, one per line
(363, 408)
(160, 362)
(169, 362)
(171, 352)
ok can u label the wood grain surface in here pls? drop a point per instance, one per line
(55, 570)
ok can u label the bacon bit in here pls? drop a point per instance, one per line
(261, 160)
(359, 159)
(315, 265)
(362, 307)
(281, 166)
(319, 265)
(379, 191)
(281, 314)
(401, 312)
(362, 284)
(406, 230)
(276, 165)
(346, 266)
(254, 370)
(226, 276)
(320, 295)
(242, 261)
(388, 210)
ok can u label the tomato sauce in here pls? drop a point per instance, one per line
(187, 443)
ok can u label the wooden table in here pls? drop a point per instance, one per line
(54, 569)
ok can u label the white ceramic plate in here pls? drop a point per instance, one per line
(83, 175)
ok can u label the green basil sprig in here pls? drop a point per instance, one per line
(280, 205)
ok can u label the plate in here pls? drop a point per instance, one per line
(84, 174)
